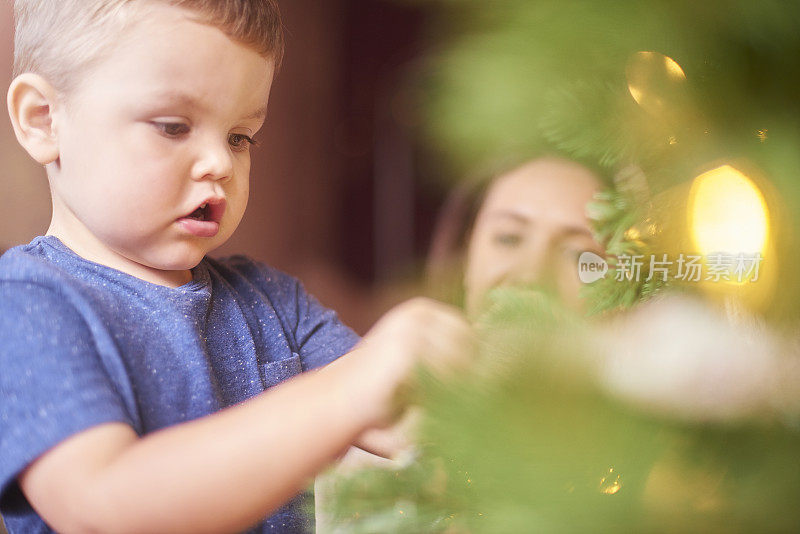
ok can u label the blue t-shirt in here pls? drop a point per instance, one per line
(83, 344)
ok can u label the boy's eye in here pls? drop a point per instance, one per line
(172, 129)
(240, 141)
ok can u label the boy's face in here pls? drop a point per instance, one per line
(156, 130)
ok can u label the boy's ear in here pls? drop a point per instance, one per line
(31, 104)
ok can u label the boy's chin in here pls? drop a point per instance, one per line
(183, 264)
(178, 260)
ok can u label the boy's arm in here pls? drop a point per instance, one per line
(227, 471)
(219, 473)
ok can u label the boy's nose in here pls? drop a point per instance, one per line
(213, 163)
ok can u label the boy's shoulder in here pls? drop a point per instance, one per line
(246, 275)
(16, 262)
(31, 265)
(46, 270)
(252, 280)
(246, 267)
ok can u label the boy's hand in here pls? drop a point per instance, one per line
(418, 332)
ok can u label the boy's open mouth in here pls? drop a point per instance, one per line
(211, 209)
(204, 220)
(200, 214)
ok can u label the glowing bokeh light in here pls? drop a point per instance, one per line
(610, 484)
(655, 81)
(727, 213)
(673, 69)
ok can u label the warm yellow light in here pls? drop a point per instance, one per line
(636, 93)
(608, 485)
(727, 213)
(655, 81)
(673, 69)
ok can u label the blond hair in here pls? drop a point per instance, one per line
(59, 38)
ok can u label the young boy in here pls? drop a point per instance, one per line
(136, 375)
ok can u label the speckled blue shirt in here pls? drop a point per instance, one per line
(83, 344)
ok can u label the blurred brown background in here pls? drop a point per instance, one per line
(336, 199)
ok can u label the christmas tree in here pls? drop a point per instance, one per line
(674, 414)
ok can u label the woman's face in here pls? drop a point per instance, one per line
(530, 230)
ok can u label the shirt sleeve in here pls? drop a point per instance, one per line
(53, 383)
(314, 332)
(320, 335)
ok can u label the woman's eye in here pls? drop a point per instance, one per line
(240, 141)
(172, 129)
(507, 239)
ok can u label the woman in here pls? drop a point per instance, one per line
(528, 228)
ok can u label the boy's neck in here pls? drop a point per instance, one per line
(82, 242)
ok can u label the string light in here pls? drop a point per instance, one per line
(609, 486)
(655, 81)
(727, 213)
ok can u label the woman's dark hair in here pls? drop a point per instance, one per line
(444, 269)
